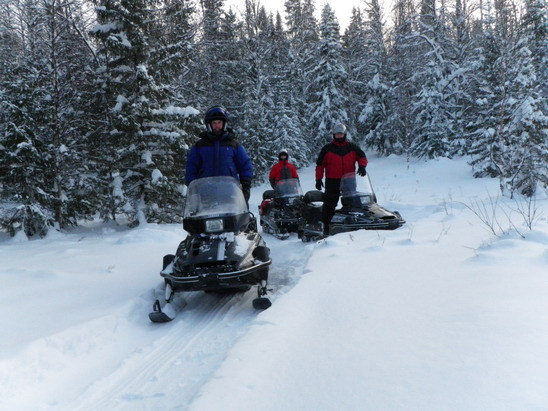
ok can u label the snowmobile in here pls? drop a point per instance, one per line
(223, 250)
(359, 211)
(280, 210)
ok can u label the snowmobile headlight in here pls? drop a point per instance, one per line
(214, 226)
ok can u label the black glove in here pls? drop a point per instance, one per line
(361, 171)
(319, 184)
(246, 188)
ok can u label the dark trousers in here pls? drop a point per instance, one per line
(330, 198)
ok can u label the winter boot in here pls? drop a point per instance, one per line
(325, 229)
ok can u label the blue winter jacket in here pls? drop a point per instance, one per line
(218, 156)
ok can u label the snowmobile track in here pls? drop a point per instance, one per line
(199, 338)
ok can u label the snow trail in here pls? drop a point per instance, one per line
(362, 320)
(190, 349)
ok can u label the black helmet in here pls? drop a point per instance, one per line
(215, 113)
(282, 152)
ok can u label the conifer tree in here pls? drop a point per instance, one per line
(395, 134)
(44, 115)
(303, 37)
(355, 59)
(375, 101)
(285, 125)
(328, 80)
(535, 29)
(139, 164)
(219, 62)
(434, 102)
(255, 100)
(510, 138)
(24, 168)
(460, 45)
(523, 159)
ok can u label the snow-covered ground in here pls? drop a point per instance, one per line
(441, 314)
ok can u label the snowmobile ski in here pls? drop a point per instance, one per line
(158, 316)
(262, 302)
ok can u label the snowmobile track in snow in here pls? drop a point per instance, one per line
(192, 347)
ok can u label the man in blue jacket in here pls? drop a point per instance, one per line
(217, 153)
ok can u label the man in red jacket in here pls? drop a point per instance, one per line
(282, 169)
(336, 159)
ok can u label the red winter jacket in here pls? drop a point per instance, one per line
(282, 170)
(339, 158)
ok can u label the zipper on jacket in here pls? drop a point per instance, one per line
(217, 157)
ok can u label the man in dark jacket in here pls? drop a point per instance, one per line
(337, 159)
(217, 153)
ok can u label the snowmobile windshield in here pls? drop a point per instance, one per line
(349, 188)
(289, 187)
(214, 196)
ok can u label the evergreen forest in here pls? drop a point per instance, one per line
(100, 100)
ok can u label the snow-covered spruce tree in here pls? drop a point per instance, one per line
(172, 38)
(525, 157)
(282, 119)
(293, 10)
(70, 86)
(328, 104)
(216, 67)
(45, 116)
(535, 28)
(138, 166)
(11, 42)
(402, 62)
(303, 39)
(519, 151)
(267, 122)
(172, 53)
(485, 128)
(432, 127)
(460, 47)
(207, 70)
(24, 168)
(511, 135)
(255, 100)
(355, 58)
(375, 103)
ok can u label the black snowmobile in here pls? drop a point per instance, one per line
(280, 210)
(359, 211)
(223, 251)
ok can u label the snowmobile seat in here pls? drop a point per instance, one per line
(265, 206)
(312, 206)
(313, 196)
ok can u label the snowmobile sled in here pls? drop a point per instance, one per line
(223, 250)
(359, 211)
(280, 210)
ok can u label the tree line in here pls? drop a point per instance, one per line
(101, 99)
